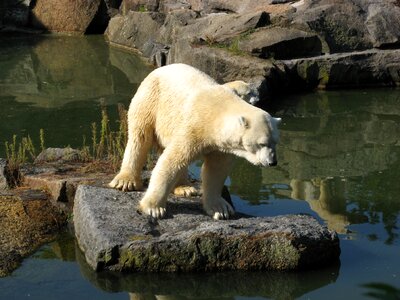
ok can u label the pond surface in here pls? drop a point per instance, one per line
(339, 160)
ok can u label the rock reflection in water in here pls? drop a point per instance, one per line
(222, 285)
(339, 155)
(56, 83)
(52, 71)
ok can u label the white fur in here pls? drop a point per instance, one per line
(245, 91)
(186, 113)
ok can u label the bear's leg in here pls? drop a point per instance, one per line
(164, 175)
(214, 171)
(183, 187)
(138, 146)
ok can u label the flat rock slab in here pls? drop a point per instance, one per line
(114, 236)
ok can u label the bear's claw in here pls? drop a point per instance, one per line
(157, 212)
(125, 182)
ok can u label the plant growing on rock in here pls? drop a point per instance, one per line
(18, 153)
(107, 146)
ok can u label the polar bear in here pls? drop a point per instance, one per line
(185, 112)
(244, 90)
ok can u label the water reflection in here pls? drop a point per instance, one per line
(171, 286)
(341, 157)
(226, 285)
(57, 82)
(52, 71)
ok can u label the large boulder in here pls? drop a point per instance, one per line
(222, 37)
(349, 25)
(365, 68)
(64, 15)
(115, 236)
(14, 12)
(221, 27)
(238, 6)
(135, 29)
(281, 43)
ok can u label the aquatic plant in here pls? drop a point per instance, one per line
(18, 153)
(107, 146)
(41, 137)
(104, 154)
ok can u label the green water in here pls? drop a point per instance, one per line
(339, 160)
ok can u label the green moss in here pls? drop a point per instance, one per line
(323, 75)
(233, 45)
(140, 238)
(142, 8)
(284, 256)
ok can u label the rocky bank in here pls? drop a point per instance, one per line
(280, 45)
(27, 220)
(114, 236)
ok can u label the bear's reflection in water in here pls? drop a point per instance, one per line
(342, 158)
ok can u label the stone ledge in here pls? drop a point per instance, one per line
(114, 236)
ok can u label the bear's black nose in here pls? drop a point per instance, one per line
(273, 164)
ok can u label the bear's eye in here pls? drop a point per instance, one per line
(262, 145)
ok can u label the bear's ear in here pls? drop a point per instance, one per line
(243, 122)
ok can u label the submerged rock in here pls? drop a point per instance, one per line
(114, 236)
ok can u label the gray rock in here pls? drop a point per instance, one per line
(350, 25)
(224, 67)
(229, 6)
(59, 154)
(4, 175)
(383, 23)
(290, 30)
(220, 27)
(137, 5)
(134, 29)
(156, 52)
(363, 68)
(169, 6)
(114, 236)
(281, 43)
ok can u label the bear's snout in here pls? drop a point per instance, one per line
(273, 164)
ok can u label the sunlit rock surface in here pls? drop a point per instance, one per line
(114, 236)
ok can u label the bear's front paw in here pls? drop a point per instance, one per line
(186, 191)
(156, 212)
(125, 181)
(219, 209)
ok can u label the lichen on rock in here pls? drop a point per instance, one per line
(114, 236)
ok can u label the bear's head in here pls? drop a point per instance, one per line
(253, 137)
(248, 92)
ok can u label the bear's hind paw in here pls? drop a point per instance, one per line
(186, 191)
(125, 183)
